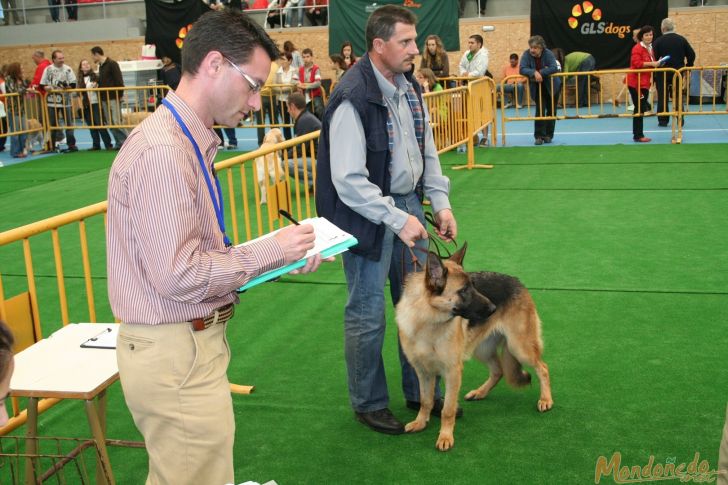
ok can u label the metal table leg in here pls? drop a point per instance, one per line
(31, 443)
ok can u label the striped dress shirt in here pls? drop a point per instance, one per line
(166, 258)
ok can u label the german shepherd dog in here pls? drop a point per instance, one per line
(446, 315)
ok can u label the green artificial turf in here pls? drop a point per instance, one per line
(624, 250)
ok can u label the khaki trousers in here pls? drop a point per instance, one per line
(175, 385)
(723, 454)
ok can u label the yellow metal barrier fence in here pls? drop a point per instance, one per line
(70, 248)
(120, 108)
(448, 117)
(600, 103)
(25, 115)
(273, 107)
(124, 108)
(481, 98)
(699, 84)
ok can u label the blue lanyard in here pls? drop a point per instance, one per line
(216, 203)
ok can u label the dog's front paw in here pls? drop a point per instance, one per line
(545, 404)
(474, 395)
(445, 441)
(415, 426)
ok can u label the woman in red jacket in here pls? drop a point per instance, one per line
(639, 82)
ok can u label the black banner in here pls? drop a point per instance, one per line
(168, 23)
(601, 27)
(348, 18)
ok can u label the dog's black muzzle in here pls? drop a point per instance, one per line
(474, 306)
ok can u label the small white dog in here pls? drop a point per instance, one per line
(269, 164)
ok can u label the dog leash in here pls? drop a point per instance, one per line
(433, 241)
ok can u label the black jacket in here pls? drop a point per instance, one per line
(677, 47)
(110, 77)
(305, 123)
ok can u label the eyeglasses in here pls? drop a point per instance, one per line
(255, 86)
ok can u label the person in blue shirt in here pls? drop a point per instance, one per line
(538, 64)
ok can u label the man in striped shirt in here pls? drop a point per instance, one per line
(172, 277)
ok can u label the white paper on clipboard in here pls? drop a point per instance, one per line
(106, 339)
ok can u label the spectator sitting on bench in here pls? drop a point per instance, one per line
(513, 86)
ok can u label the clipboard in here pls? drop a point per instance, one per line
(330, 241)
(105, 339)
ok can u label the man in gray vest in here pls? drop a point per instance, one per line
(376, 130)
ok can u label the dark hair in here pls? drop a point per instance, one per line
(346, 43)
(560, 55)
(477, 37)
(307, 51)
(382, 21)
(97, 50)
(288, 46)
(288, 56)
(514, 56)
(298, 100)
(13, 71)
(53, 54)
(6, 348)
(338, 60)
(645, 30)
(233, 34)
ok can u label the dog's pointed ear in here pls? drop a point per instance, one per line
(435, 274)
(460, 254)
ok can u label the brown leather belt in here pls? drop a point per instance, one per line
(221, 315)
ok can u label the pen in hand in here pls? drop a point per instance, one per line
(288, 216)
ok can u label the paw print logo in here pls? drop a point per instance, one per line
(182, 34)
(584, 8)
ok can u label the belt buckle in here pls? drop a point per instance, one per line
(198, 324)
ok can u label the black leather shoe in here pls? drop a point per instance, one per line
(436, 408)
(381, 421)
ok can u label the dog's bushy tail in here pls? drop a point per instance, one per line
(513, 370)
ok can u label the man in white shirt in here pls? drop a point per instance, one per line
(474, 63)
(56, 78)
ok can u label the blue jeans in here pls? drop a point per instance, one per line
(53, 117)
(17, 142)
(294, 14)
(588, 64)
(364, 316)
(304, 169)
(516, 91)
(92, 117)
